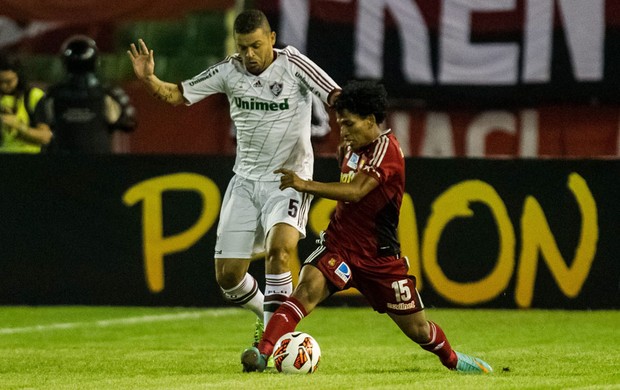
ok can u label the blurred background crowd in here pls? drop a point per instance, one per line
(512, 78)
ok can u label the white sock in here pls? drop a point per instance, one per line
(278, 287)
(247, 294)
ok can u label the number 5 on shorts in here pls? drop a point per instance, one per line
(293, 208)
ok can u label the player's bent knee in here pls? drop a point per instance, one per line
(280, 253)
(278, 260)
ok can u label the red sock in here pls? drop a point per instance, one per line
(284, 320)
(440, 346)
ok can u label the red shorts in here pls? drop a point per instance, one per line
(384, 281)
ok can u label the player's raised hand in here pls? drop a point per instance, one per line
(142, 60)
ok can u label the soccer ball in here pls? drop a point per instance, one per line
(296, 353)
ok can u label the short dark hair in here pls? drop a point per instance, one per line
(11, 61)
(250, 20)
(363, 98)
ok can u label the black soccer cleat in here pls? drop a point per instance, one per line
(252, 360)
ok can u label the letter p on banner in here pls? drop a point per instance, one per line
(154, 243)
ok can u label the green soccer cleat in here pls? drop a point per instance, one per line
(472, 365)
(252, 360)
(270, 363)
(259, 328)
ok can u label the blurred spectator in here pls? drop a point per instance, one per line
(82, 112)
(21, 130)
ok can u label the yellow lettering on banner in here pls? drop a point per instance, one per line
(538, 237)
(154, 243)
(454, 203)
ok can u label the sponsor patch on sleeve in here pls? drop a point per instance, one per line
(344, 272)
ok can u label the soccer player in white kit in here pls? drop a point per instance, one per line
(270, 95)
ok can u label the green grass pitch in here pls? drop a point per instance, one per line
(193, 348)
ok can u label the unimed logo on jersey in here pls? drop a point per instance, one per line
(261, 105)
(203, 77)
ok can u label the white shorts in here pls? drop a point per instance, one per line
(250, 209)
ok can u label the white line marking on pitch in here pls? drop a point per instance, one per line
(121, 321)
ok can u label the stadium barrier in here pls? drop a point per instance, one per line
(140, 230)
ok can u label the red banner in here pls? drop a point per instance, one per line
(90, 11)
(548, 131)
(545, 131)
(460, 52)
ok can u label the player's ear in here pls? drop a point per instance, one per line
(273, 38)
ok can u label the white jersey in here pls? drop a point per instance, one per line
(271, 111)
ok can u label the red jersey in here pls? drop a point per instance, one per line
(368, 227)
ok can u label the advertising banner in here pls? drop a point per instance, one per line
(140, 230)
(462, 52)
(548, 131)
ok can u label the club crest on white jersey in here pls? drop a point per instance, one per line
(276, 89)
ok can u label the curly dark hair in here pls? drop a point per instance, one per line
(363, 98)
(250, 20)
(10, 61)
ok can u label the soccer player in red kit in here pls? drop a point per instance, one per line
(360, 247)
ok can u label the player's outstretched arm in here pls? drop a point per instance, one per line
(354, 191)
(143, 62)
